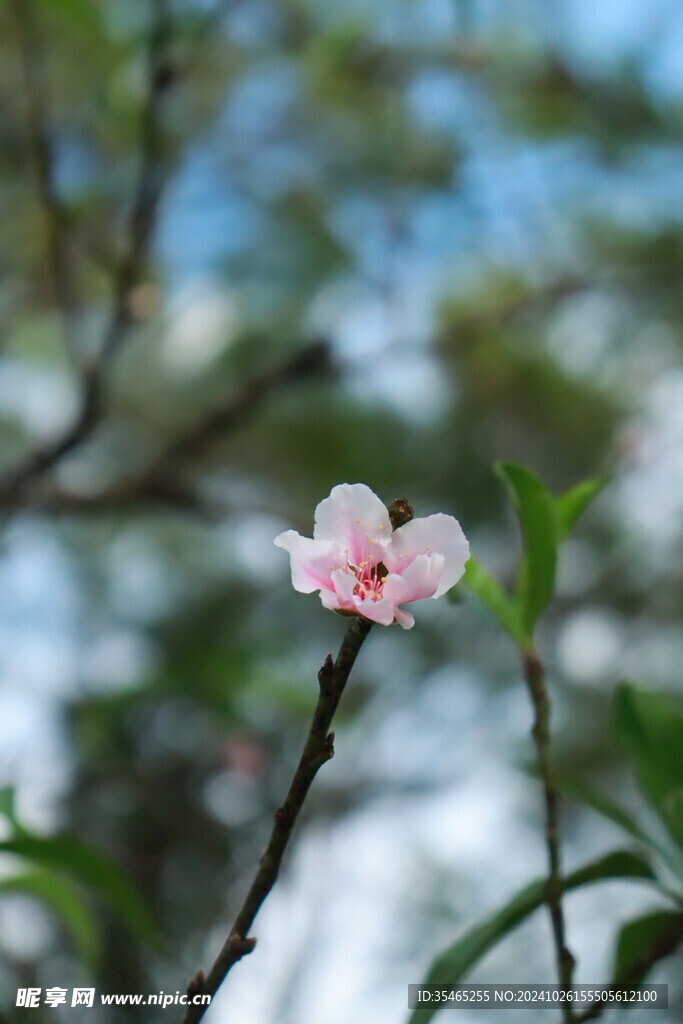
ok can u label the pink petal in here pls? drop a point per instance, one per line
(379, 611)
(312, 561)
(344, 584)
(404, 619)
(437, 534)
(419, 580)
(356, 519)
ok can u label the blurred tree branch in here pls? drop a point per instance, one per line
(130, 265)
(157, 484)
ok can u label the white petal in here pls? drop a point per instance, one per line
(420, 579)
(356, 519)
(312, 561)
(437, 534)
(330, 600)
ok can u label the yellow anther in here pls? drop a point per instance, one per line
(358, 520)
(384, 579)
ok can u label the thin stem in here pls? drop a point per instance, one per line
(318, 748)
(534, 675)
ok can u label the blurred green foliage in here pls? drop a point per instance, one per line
(395, 243)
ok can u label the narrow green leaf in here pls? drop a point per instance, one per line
(608, 809)
(535, 509)
(7, 807)
(649, 728)
(489, 591)
(94, 869)
(618, 864)
(452, 965)
(574, 502)
(64, 900)
(660, 931)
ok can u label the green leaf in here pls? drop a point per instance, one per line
(94, 869)
(64, 900)
(649, 728)
(613, 812)
(574, 502)
(7, 806)
(489, 591)
(608, 809)
(618, 864)
(660, 931)
(452, 965)
(535, 509)
(544, 522)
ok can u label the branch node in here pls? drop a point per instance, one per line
(326, 671)
(240, 946)
(195, 986)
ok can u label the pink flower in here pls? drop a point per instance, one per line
(360, 565)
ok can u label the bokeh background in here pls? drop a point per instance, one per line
(252, 249)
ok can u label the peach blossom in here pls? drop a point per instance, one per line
(360, 565)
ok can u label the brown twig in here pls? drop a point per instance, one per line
(129, 267)
(534, 675)
(318, 749)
